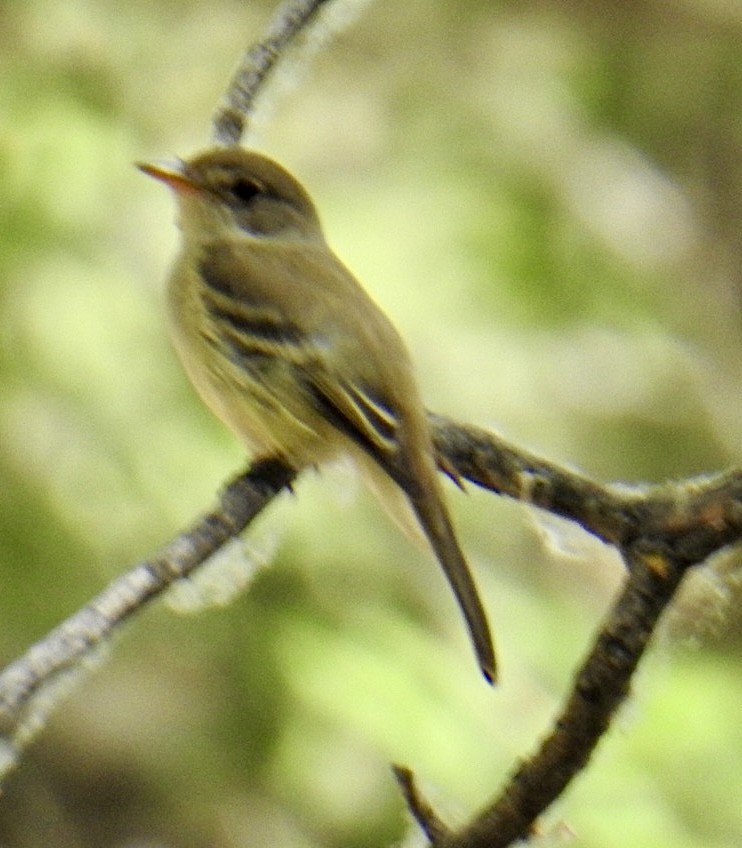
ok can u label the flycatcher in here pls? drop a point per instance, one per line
(288, 350)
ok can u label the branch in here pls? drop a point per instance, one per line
(697, 516)
(30, 686)
(424, 814)
(661, 533)
(664, 530)
(290, 21)
(600, 687)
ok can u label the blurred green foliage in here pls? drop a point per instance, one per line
(547, 198)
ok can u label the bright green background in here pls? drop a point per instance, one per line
(547, 198)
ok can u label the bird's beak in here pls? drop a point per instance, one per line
(173, 174)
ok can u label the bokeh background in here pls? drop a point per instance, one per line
(547, 198)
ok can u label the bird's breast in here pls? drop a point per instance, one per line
(254, 393)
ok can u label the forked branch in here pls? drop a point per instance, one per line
(660, 531)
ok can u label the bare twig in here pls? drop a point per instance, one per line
(661, 532)
(291, 20)
(663, 529)
(26, 685)
(599, 689)
(697, 516)
(424, 814)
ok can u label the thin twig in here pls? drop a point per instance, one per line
(26, 684)
(430, 824)
(291, 19)
(490, 461)
(685, 522)
(599, 689)
(661, 532)
(698, 516)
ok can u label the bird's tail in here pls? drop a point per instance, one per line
(433, 517)
(405, 498)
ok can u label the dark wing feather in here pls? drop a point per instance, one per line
(365, 417)
(250, 322)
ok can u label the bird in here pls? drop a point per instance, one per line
(286, 347)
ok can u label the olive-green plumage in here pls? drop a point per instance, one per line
(286, 347)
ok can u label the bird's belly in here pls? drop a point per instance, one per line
(259, 400)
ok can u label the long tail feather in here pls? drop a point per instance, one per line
(437, 525)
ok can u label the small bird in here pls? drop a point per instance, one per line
(290, 352)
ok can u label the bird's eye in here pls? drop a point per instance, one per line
(245, 190)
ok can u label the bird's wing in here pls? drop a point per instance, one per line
(363, 415)
(254, 319)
